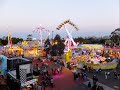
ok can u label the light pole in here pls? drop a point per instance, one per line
(52, 36)
(118, 42)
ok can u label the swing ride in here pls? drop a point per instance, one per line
(40, 30)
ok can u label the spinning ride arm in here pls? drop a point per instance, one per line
(70, 36)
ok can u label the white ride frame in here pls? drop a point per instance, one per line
(40, 30)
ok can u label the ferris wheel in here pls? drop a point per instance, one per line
(40, 30)
(69, 41)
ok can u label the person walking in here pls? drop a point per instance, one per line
(89, 84)
(52, 71)
(95, 80)
(44, 71)
(44, 84)
(74, 76)
(106, 75)
(118, 75)
(100, 71)
(85, 76)
(39, 87)
(61, 69)
(58, 70)
(115, 75)
(52, 82)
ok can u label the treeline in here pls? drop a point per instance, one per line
(4, 40)
(112, 40)
(90, 40)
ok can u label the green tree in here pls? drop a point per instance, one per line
(102, 41)
(0, 42)
(4, 40)
(16, 40)
(29, 37)
(79, 39)
(58, 46)
(47, 45)
(115, 36)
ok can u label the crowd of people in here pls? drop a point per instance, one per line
(82, 75)
(116, 75)
(46, 74)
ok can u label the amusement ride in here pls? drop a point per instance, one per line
(69, 42)
(40, 30)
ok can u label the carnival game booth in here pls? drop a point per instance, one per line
(20, 73)
(31, 52)
(14, 51)
(33, 49)
(30, 48)
(34, 52)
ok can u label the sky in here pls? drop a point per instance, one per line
(92, 17)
